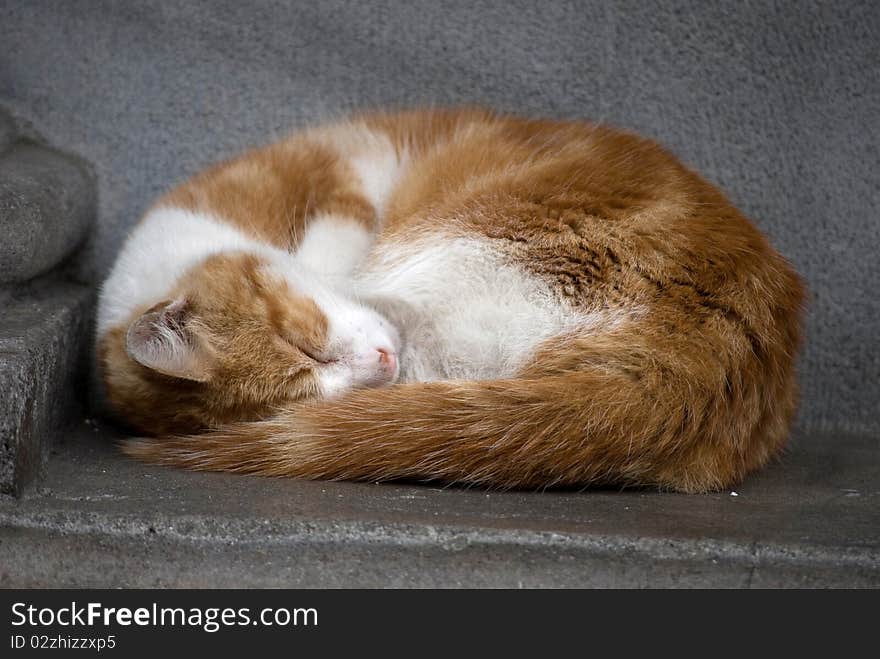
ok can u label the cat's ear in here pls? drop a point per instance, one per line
(164, 339)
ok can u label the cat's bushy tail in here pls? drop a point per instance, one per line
(701, 429)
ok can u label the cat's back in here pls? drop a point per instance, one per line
(508, 231)
(574, 202)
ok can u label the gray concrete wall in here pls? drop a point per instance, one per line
(777, 102)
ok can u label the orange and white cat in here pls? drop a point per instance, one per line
(457, 296)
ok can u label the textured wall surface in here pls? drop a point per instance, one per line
(777, 102)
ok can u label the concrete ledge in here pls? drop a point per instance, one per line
(47, 205)
(105, 521)
(43, 340)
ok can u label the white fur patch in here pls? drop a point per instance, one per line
(464, 313)
(333, 246)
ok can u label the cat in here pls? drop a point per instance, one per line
(458, 296)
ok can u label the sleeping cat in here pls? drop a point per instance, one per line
(456, 296)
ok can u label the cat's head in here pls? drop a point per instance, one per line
(239, 337)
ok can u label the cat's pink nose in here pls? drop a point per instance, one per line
(388, 359)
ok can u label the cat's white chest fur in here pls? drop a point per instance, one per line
(462, 312)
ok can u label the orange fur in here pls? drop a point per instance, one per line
(272, 192)
(695, 393)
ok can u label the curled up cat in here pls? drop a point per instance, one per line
(454, 296)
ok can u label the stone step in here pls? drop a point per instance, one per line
(103, 520)
(44, 337)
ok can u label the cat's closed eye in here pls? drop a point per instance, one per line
(306, 349)
(316, 355)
